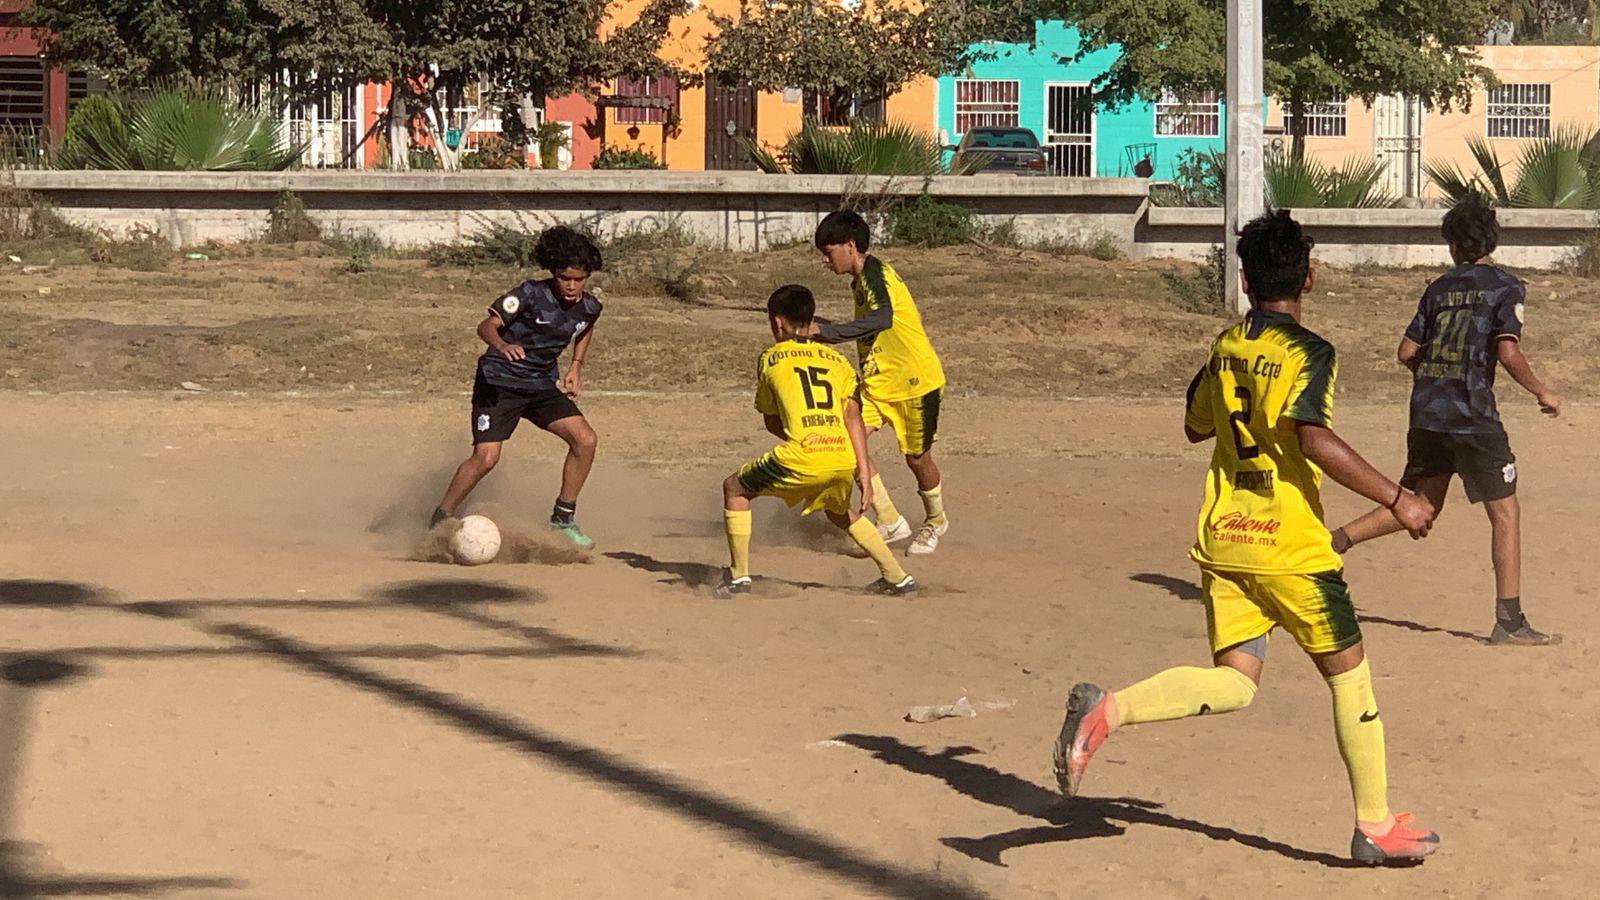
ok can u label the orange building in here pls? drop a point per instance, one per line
(1542, 88)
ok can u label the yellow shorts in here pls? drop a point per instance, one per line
(915, 421)
(829, 491)
(1314, 609)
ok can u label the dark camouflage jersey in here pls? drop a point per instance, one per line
(536, 320)
(1463, 315)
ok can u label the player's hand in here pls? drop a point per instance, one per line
(864, 483)
(1414, 513)
(512, 352)
(1550, 404)
(572, 384)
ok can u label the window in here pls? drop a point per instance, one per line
(1198, 115)
(1519, 111)
(81, 84)
(1325, 119)
(840, 106)
(22, 93)
(986, 103)
(649, 86)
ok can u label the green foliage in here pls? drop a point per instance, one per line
(495, 152)
(865, 148)
(25, 216)
(175, 126)
(136, 42)
(1290, 183)
(493, 244)
(1561, 171)
(551, 139)
(143, 250)
(1312, 49)
(359, 251)
(931, 222)
(1553, 21)
(287, 222)
(869, 52)
(1584, 260)
(1201, 291)
(613, 158)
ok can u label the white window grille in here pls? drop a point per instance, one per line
(987, 103)
(1326, 119)
(1197, 115)
(1519, 111)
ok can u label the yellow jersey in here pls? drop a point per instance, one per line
(897, 363)
(1263, 506)
(806, 384)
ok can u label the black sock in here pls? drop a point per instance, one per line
(1508, 610)
(439, 515)
(563, 512)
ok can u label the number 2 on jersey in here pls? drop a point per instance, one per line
(813, 380)
(1240, 420)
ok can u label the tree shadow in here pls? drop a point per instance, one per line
(698, 576)
(1186, 590)
(49, 594)
(1066, 820)
(456, 600)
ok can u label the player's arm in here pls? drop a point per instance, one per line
(1409, 354)
(879, 318)
(489, 331)
(573, 383)
(1509, 351)
(1197, 424)
(774, 425)
(1343, 464)
(858, 443)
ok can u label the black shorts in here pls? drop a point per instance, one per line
(496, 409)
(1484, 460)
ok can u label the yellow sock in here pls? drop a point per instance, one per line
(933, 504)
(1182, 692)
(737, 523)
(867, 536)
(882, 505)
(1360, 734)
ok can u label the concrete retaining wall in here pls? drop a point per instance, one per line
(737, 210)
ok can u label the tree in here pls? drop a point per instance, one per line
(1313, 49)
(131, 43)
(1552, 21)
(867, 52)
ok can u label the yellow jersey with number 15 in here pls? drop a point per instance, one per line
(806, 384)
(1263, 506)
(897, 364)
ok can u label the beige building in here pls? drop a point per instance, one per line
(1542, 88)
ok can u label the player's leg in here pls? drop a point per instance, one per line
(1238, 632)
(471, 471)
(919, 427)
(736, 523)
(581, 442)
(1317, 611)
(1489, 475)
(893, 579)
(892, 526)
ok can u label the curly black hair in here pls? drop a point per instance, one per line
(1275, 255)
(842, 227)
(563, 248)
(1471, 229)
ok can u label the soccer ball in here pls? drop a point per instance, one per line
(476, 542)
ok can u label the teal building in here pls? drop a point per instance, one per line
(1039, 89)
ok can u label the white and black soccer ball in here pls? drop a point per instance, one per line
(476, 542)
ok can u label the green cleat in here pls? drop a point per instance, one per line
(569, 530)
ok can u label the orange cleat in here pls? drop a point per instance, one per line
(1401, 842)
(1081, 735)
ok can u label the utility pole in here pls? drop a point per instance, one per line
(1245, 197)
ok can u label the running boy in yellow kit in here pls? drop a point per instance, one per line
(810, 399)
(1265, 396)
(902, 380)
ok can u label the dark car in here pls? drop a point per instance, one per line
(999, 151)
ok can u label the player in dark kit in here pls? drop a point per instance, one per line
(519, 376)
(1468, 323)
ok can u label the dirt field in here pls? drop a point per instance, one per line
(225, 677)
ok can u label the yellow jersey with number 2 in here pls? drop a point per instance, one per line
(1263, 506)
(897, 364)
(806, 384)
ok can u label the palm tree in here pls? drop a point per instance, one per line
(175, 126)
(1560, 171)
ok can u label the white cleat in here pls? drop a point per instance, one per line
(927, 539)
(895, 532)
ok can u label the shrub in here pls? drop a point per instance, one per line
(288, 223)
(176, 125)
(865, 148)
(1584, 261)
(25, 216)
(613, 158)
(494, 152)
(1203, 291)
(144, 250)
(931, 222)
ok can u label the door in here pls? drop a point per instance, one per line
(1397, 143)
(730, 115)
(1069, 129)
